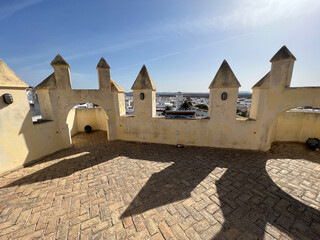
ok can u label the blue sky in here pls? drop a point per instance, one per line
(182, 43)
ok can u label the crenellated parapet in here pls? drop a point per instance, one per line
(272, 96)
(56, 96)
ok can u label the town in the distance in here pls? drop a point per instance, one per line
(171, 105)
(188, 105)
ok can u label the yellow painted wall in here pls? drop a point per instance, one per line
(78, 118)
(200, 132)
(95, 117)
(297, 126)
(20, 140)
(72, 122)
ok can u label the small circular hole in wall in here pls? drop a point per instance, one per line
(88, 129)
(141, 96)
(224, 96)
(7, 98)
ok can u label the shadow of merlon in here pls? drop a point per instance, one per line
(255, 206)
(169, 185)
(67, 166)
(250, 204)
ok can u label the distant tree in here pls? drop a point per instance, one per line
(243, 114)
(202, 106)
(186, 105)
(167, 108)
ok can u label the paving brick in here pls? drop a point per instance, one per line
(74, 232)
(212, 231)
(14, 215)
(34, 235)
(62, 230)
(194, 213)
(42, 223)
(52, 225)
(201, 226)
(142, 235)
(188, 202)
(69, 216)
(151, 226)
(192, 234)
(90, 223)
(127, 221)
(116, 206)
(183, 212)
(232, 233)
(157, 236)
(165, 230)
(11, 229)
(22, 232)
(188, 222)
(79, 219)
(101, 226)
(138, 223)
(112, 231)
(6, 224)
(116, 217)
(178, 232)
(23, 216)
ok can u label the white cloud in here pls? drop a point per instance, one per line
(249, 14)
(252, 13)
(11, 7)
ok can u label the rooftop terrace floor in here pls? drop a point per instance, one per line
(126, 190)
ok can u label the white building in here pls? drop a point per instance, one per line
(179, 99)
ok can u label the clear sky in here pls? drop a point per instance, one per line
(182, 42)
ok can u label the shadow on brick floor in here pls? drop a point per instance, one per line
(249, 199)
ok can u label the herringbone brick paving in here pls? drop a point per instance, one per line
(125, 190)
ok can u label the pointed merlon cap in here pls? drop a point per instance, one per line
(224, 78)
(59, 61)
(283, 54)
(8, 78)
(49, 82)
(103, 64)
(143, 81)
(264, 82)
(115, 87)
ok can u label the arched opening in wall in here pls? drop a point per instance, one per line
(88, 125)
(297, 125)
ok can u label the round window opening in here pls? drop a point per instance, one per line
(141, 96)
(224, 96)
(7, 98)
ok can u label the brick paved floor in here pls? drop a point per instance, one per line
(125, 190)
